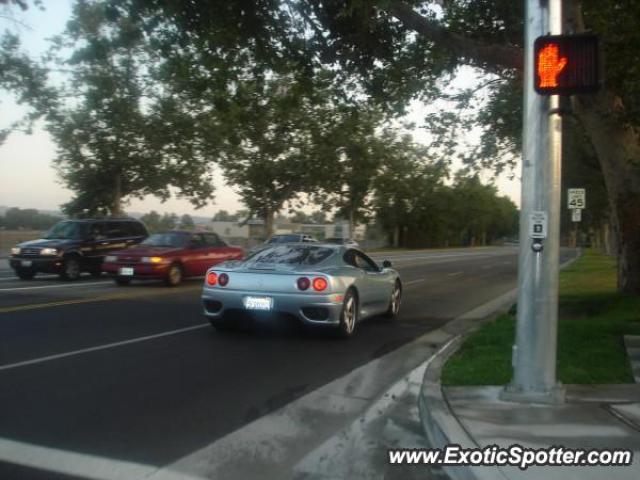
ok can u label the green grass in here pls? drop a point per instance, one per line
(593, 320)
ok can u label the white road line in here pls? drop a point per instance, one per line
(78, 464)
(66, 285)
(100, 347)
(454, 274)
(413, 282)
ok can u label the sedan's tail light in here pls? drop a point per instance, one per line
(212, 278)
(223, 279)
(303, 283)
(319, 284)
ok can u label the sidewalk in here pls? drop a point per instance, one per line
(594, 416)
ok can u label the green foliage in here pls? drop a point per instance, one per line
(120, 137)
(27, 218)
(593, 319)
(26, 81)
(186, 222)
(160, 223)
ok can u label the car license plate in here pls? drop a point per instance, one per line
(258, 303)
(125, 271)
(25, 263)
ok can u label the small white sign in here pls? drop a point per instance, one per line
(576, 215)
(538, 224)
(576, 198)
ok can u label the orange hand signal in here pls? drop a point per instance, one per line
(550, 66)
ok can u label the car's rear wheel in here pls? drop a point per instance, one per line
(70, 268)
(96, 272)
(24, 274)
(174, 275)
(394, 302)
(122, 281)
(349, 315)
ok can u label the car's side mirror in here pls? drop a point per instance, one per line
(386, 264)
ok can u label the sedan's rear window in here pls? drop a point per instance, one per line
(291, 255)
(178, 240)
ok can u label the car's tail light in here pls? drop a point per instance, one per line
(223, 279)
(303, 283)
(319, 284)
(212, 278)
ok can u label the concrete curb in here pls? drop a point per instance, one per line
(438, 420)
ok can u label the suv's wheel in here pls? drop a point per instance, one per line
(24, 274)
(122, 280)
(349, 315)
(174, 275)
(394, 302)
(70, 268)
(96, 272)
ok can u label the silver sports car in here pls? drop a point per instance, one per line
(319, 284)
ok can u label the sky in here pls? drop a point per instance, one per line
(27, 176)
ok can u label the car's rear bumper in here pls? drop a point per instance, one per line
(141, 271)
(309, 308)
(51, 264)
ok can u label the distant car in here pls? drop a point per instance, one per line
(170, 256)
(74, 246)
(318, 284)
(347, 242)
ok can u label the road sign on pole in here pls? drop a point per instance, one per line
(576, 215)
(534, 353)
(576, 198)
(538, 224)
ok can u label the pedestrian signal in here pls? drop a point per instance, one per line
(566, 64)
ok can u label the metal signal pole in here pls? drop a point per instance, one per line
(534, 354)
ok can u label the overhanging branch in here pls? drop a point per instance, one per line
(486, 56)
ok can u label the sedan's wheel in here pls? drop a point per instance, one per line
(122, 281)
(96, 272)
(70, 269)
(349, 315)
(24, 274)
(174, 275)
(394, 302)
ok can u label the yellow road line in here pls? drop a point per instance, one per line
(104, 298)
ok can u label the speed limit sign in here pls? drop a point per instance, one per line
(576, 198)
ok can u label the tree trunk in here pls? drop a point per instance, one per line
(396, 236)
(618, 150)
(116, 204)
(268, 221)
(351, 221)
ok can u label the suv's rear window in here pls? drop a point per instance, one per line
(291, 255)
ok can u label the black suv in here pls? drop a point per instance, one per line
(74, 246)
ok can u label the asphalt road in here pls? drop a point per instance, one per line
(136, 373)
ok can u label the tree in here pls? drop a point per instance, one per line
(120, 137)
(186, 222)
(224, 216)
(318, 217)
(300, 217)
(398, 50)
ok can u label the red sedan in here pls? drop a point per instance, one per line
(170, 256)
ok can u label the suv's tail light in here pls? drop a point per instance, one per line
(319, 284)
(303, 283)
(212, 278)
(223, 279)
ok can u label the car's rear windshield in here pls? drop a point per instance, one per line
(284, 239)
(67, 230)
(290, 255)
(167, 240)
